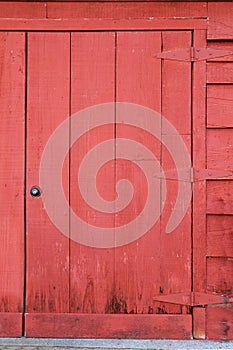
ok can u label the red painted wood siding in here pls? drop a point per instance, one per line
(46, 75)
(219, 151)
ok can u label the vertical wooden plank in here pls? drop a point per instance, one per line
(91, 268)
(199, 187)
(12, 148)
(199, 162)
(47, 106)
(199, 323)
(176, 83)
(176, 86)
(138, 80)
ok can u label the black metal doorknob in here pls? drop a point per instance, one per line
(35, 191)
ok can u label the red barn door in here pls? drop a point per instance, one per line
(94, 269)
(116, 170)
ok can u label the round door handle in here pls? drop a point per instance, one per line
(35, 191)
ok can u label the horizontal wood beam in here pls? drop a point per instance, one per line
(101, 24)
(108, 325)
(10, 324)
(119, 1)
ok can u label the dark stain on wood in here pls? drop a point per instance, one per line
(116, 306)
(89, 298)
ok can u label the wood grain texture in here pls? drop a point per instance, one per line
(47, 106)
(221, 45)
(105, 24)
(92, 82)
(176, 86)
(220, 322)
(220, 149)
(199, 323)
(220, 275)
(108, 326)
(13, 9)
(176, 83)
(218, 72)
(220, 197)
(220, 235)
(124, 10)
(138, 80)
(220, 21)
(12, 153)
(10, 324)
(220, 106)
(199, 162)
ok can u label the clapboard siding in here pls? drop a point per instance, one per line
(220, 20)
(220, 275)
(220, 149)
(126, 10)
(220, 235)
(220, 72)
(220, 106)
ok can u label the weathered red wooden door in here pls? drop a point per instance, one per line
(92, 256)
(98, 275)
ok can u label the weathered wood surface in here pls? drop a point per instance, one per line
(221, 45)
(220, 20)
(220, 149)
(26, 9)
(12, 152)
(92, 270)
(126, 10)
(220, 106)
(137, 264)
(220, 275)
(220, 235)
(220, 72)
(104, 24)
(47, 106)
(220, 322)
(115, 326)
(11, 324)
(176, 84)
(63, 276)
(220, 197)
(199, 162)
(199, 323)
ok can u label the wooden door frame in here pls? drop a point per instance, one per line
(198, 27)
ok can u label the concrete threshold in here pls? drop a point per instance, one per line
(106, 344)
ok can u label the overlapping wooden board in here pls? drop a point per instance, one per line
(12, 9)
(220, 106)
(126, 10)
(220, 20)
(220, 235)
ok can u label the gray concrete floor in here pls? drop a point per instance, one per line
(106, 344)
